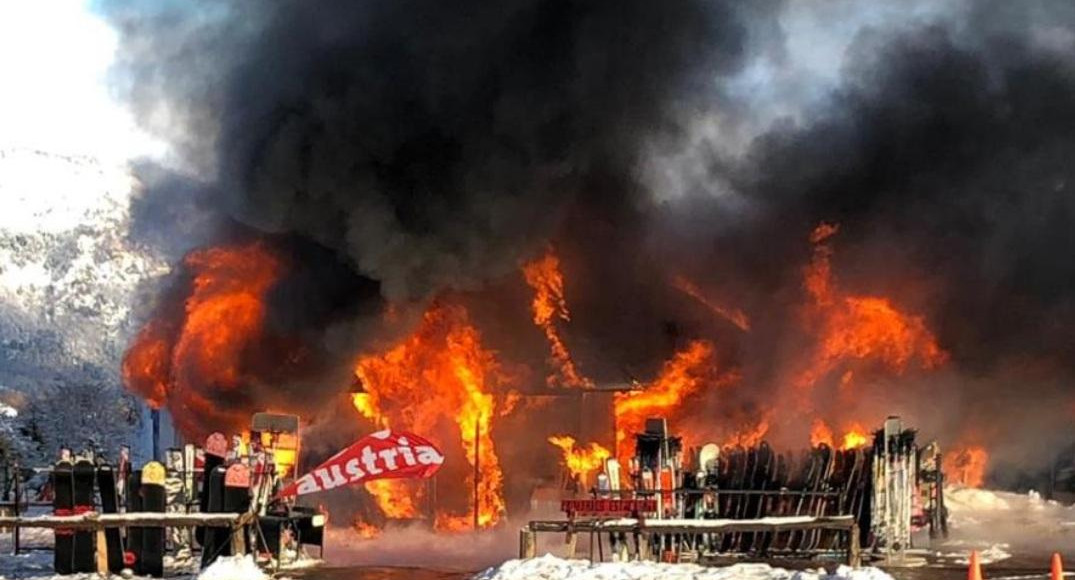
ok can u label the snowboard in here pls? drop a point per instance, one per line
(153, 500)
(216, 540)
(85, 548)
(132, 558)
(106, 485)
(216, 449)
(63, 503)
(237, 493)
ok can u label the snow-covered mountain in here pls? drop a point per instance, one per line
(69, 278)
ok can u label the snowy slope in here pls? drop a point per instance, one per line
(68, 279)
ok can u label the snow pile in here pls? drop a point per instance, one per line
(233, 568)
(998, 523)
(550, 567)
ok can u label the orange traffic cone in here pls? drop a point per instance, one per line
(1056, 569)
(974, 570)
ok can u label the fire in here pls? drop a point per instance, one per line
(549, 305)
(855, 436)
(366, 531)
(750, 436)
(733, 315)
(580, 461)
(441, 372)
(395, 497)
(683, 375)
(191, 363)
(821, 434)
(858, 328)
(967, 466)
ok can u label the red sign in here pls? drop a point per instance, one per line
(608, 507)
(381, 455)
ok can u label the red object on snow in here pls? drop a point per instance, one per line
(380, 455)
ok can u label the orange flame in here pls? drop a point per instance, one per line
(967, 466)
(855, 436)
(683, 375)
(750, 436)
(580, 461)
(820, 434)
(176, 363)
(366, 531)
(549, 305)
(859, 328)
(733, 315)
(440, 372)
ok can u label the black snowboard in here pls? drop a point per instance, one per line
(85, 549)
(237, 492)
(217, 543)
(216, 448)
(63, 503)
(154, 499)
(106, 485)
(133, 556)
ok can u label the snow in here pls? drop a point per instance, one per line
(999, 523)
(233, 568)
(550, 567)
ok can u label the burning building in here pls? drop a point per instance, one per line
(497, 225)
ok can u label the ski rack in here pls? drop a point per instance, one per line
(724, 500)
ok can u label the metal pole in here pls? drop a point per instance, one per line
(477, 463)
(155, 418)
(15, 536)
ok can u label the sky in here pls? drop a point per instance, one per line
(54, 61)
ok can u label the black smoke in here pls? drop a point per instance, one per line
(429, 146)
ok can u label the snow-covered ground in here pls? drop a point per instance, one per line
(549, 567)
(999, 524)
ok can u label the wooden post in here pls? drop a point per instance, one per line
(854, 549)
(572, 540)
(238, 541)
(102, 553)
(527, 543)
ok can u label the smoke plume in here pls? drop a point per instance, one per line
(428, 148)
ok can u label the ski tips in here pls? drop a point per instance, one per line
(1056, 567)
(974, 570)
